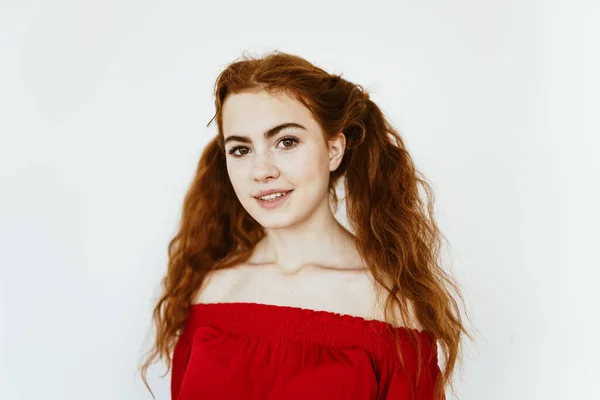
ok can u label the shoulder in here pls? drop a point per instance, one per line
(352, 291)
(379, 297)
(216, 285)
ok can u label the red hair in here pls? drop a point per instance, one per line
(395, 230)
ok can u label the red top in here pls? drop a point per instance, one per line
(264, 351)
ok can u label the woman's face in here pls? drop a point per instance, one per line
(273, 142)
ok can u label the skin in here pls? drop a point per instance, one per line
(307, 258)
(303, 232)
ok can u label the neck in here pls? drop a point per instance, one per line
(319, 240)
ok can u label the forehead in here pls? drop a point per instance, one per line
(252, 113)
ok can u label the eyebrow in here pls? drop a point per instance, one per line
(268, 134)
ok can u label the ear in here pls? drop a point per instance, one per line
(336, 148)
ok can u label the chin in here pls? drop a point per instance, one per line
(274, 222)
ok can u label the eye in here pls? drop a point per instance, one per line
(289, 139)
(234, 149)
(292, 141)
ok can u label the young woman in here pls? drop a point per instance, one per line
(267, 295)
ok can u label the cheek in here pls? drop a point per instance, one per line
(309, 174)
(238, 179)
(307, 165)
(308, 168)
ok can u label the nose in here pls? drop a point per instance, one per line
(264, 167)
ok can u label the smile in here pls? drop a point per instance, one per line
(273, 200)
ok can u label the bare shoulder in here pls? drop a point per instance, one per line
(379, 298)
(217, 284)
(351, 292)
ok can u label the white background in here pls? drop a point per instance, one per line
(103, 114)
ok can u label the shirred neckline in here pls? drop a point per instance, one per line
(329, 328)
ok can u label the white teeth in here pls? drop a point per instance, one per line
(272, 196)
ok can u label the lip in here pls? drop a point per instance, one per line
(274, 203)
(265, 192)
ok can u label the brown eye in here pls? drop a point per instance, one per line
(234, 149)
(291, 141)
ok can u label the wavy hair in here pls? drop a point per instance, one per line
(395, 230)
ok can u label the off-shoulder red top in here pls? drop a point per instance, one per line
(267, 352)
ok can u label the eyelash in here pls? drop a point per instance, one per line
(296, 141)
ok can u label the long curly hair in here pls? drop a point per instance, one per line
(395, 230)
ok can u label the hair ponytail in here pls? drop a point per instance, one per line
(395, 229)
